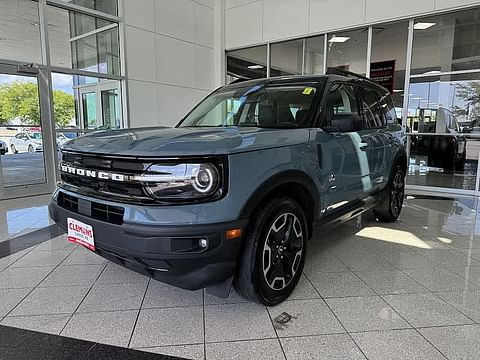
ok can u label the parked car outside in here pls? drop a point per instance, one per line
(26, 141)
(446, 148)
(3, 148)
(231, 194)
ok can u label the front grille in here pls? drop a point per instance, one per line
(68, 202)
(103, 212)
(108, 213)
(105, 189)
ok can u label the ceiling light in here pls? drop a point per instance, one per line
(339, 39)
(255, 67)
(397, 91)
(423, 25)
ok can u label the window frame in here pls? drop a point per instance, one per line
(322, 121)
(361, 90)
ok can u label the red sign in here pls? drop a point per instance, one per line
(383, 73)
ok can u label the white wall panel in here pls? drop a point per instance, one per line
(243, 25)
(140, 13)
(203, 25)
(174, 58)
(176, 18)
(284, 18)
(444, 4)
(142, 97)
(173, 103)
(379, 10)
(200, 95)
(234, 3)
(175, 61)
(209, 3)
(204, 68)
(140, 53)
(335, 14)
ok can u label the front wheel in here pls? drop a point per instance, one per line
(274, 252)
(31, 150)
(14, 149)
(391, 206)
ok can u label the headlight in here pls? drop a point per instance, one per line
(184, 181)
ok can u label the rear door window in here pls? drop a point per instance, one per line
(372, 113)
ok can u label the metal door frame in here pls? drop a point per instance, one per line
(97, 89)
(49, 146)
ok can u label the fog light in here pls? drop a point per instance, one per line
(203, 243)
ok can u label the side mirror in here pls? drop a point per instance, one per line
(345, 122)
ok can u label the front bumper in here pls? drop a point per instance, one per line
(167, 253)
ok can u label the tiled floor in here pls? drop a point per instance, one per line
(408, 290)
(24, 215)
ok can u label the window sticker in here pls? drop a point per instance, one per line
(308, 91)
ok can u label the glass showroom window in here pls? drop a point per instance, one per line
(388, 60)
(443, 119)
(286, 58)
(348, 50)
(83, 42)
(106, 6)
(315, 55)
(248, 63)
(446, 43)
(20, 32)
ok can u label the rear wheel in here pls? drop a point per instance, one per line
(274, 253)
(14, 149)
(30, 149)
(391, 206)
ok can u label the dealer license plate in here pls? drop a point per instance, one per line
(80, 233)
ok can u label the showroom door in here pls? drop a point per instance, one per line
(26, 148)
(100, 106)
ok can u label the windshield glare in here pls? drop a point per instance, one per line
(282, 106)
(36, 136)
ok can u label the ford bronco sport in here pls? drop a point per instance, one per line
(230, 194)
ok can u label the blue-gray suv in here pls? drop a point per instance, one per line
(230, 195)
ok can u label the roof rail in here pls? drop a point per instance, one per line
(238, 81)
(335, 71)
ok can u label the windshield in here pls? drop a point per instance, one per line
(36, 136)
(282, 106)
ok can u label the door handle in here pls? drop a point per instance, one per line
(363, 146)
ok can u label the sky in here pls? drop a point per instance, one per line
(59, 81)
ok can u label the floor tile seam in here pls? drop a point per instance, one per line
(83, 299)
(29, 250)
(138, 313)
(453, 307)
(204, 326)
(429, 290)
(33, 288)
(276, 332)
(336, 317)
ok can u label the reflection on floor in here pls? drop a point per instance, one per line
(422, 175)
(24, 215)
(370, 290)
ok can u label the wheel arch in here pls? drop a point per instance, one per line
(292, 183)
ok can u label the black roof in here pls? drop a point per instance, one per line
(332, 75)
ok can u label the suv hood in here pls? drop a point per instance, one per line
(173, 142)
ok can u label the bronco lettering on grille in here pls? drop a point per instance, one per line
(102, 175)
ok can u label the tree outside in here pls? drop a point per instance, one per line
(470, 94)
(19, 100)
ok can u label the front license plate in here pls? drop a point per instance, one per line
(80, 233)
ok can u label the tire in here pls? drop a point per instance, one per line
(273, 256)
(14, 149)
(31, 150)
(391, 206)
